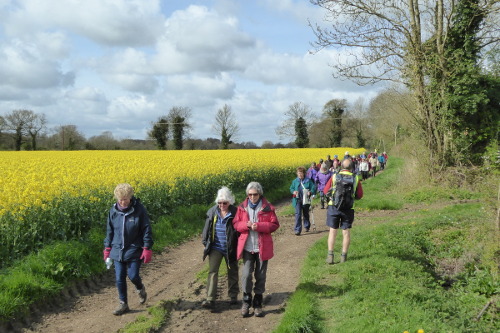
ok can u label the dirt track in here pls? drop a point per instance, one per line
(172, 276)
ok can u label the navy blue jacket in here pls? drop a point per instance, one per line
(128, 232)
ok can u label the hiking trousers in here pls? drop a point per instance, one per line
(252, 265)
(214, 260)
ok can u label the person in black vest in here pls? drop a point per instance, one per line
(340, 213)
(220, 240)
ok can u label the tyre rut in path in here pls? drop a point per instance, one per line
(172, 276)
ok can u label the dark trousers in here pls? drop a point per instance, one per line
(323, 198)
(299, 211)
(252, 265)
(122, 269)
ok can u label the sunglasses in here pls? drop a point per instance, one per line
(223, 203)
(253, 194)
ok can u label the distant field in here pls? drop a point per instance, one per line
(32, 178)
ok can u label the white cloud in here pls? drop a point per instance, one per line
(198, 90)
(129, 69)
(24, 66)
(119, 64)
(116, 22)
(128, 109)
(200, 40)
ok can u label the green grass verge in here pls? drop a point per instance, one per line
(432, 269)
(157, 316)
(381, 192)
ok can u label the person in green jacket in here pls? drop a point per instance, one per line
(303, 190)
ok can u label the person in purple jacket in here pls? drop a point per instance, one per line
(312, 171)
(321, 179)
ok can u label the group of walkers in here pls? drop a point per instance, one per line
(230, 233)
(243, 231)
(364, 165)
(338, 183)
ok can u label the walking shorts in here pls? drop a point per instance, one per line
(339, 219)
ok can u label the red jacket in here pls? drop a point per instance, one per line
(268, 223)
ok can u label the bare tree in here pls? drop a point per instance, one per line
(3, 126)
(389, 115)
(68, 137)
(355, 125)
(35, 127)
(24, 123)
(225, 125)
(405, 41)
(295, 111)
(104, 141)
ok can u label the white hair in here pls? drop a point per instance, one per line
(256, 186)
(224, 194)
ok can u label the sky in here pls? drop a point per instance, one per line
(118, 65)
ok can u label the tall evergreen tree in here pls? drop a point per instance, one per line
(334, 109)
(301, 135)
(178, 131)
(159, 132)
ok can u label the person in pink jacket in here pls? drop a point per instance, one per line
(255, 220)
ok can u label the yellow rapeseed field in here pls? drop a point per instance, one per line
(32, 178)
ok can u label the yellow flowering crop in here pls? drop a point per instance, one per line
(32, 178)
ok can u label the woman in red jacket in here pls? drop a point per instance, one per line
(255, 221)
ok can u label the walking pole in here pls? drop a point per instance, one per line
(312, 218)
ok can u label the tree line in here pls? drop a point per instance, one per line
(27, 130)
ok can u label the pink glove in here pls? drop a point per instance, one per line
(146, 255)
(106, 253)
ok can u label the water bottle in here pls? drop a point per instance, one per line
(109, 263)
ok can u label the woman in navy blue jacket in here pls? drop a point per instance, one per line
(128, 242)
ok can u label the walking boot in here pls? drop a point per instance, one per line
(121, 309)
(143, 296)
(329, 258)
(343, 257)
(208, 304)
(257, 305)
(245, 307)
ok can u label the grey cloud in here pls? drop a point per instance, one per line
(134, 82)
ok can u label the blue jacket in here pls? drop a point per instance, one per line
(128, 232)
(308, 184)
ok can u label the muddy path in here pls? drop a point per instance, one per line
(87, 307)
